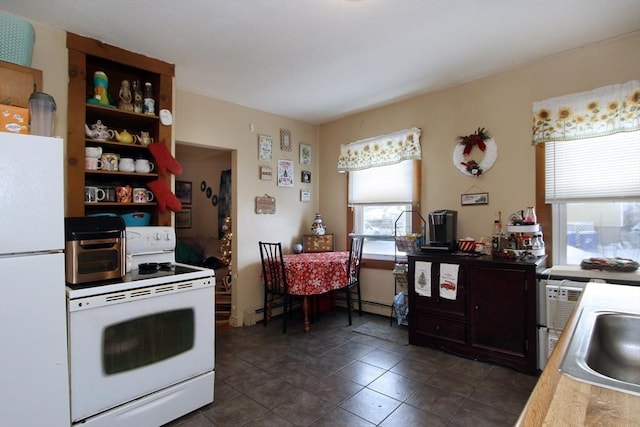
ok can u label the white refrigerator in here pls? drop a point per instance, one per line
(34, 373)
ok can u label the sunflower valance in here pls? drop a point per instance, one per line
(380, 150)
(603, 111)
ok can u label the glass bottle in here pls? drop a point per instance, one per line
(137, 97)
(496, 241)
(529, 217)
(149, 101)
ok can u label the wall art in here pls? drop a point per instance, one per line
(183, 192)
(265, 205)
(305, 177)
(305, 154)
(305, 195)
(474, 199)
(285, 140)
(285, 173)
(266, 173)
(183, 218)
(265, 148)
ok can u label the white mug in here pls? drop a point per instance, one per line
(142, 195)
(92, 163)
(126, 165)
(144, 166)
(93, 152)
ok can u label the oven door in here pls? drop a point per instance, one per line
(128, 344)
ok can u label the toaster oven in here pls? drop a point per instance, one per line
(94, 249)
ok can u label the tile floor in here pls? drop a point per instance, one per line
(333, 376)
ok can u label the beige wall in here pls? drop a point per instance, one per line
(501, 104)
(208, 122)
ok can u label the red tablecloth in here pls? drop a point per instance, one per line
(316, 273)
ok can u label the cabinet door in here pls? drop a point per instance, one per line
(498, 310)
(17, 83)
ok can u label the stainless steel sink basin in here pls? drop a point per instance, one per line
(614, 347)
(605, 350)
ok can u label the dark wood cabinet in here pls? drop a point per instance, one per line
(493, 316)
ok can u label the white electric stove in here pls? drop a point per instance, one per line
(141, 348)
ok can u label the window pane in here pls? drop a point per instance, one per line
(378, 223)
(596, 229)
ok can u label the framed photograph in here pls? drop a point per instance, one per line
(474, 199)
(265, 148)
(285, 173)
(305, 177)
(305, 154)
(285, 140)
(305, 195)
(183, 218)
(183, 192)
(266, 173)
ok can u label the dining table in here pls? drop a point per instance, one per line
(315, 273)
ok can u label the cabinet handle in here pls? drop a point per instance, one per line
(477, 307)
(438, 328)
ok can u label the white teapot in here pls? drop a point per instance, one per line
(98, 131)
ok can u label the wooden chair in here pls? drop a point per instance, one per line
(275, 281)
(353, 273)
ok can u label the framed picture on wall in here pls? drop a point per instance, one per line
(305, 154)
(183, 218)
(183, 192)
(285, 140)
(305, 177)
(305, 195)
(285, 173)
(265, 148)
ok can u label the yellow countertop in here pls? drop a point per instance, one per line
(560, 400)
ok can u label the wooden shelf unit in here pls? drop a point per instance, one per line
(86, 56)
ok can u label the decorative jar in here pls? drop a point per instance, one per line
(318, 228)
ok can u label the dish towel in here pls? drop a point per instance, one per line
(422, 278)
(449, 281)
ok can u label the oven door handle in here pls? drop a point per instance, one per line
(98, 243)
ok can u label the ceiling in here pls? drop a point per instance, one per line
(318, 60)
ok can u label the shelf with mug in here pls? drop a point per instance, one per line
(115, 144)
(86, 58)
(119, 205)
(120, 173)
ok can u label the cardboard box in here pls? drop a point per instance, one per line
(14, 119)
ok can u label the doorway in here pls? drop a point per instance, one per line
(201, 229)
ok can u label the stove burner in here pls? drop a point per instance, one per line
(147, 268)
(166, 266)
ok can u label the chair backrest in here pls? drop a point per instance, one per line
(273, 273)
(355, 258)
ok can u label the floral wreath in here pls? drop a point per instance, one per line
(485, 143)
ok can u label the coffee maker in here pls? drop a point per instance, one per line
(442, 230)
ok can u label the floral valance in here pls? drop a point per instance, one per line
(380, 150)
(603, 111)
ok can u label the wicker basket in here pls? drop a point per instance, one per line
(408, 244)
(16, 40)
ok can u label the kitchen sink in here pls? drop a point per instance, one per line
(614, 347)
(605, 350)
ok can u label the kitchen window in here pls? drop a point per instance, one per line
(378, 197)
(383, 182)
(591, 157)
